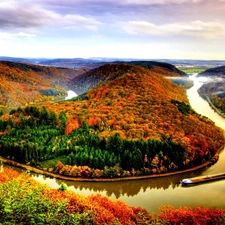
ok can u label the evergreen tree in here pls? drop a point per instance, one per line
(1, 125)
(44, 116)
(52, 119)
(85, 127)
(115, 144)
(137, 160)
(63, 120)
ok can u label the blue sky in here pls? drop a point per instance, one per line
(145, 29)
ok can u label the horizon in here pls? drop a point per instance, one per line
(111, 59)
(138, 29)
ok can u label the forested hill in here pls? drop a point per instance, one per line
(23, 83)
(108, 72)
(214, 91)
(217, 71)
(136, 121)
(166, 69)
(142, 104)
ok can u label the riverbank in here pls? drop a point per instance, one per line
(43, 205)
(214, 107)
(82, 179)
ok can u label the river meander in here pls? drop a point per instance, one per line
(153, 193)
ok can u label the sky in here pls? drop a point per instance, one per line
(141, 29)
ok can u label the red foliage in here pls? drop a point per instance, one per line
(143, 216)
(92, 121)
(102, 210)
(189, 216)
(16, 121)
(77, 203)
(116, 209)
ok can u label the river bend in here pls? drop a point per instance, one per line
(154, 192)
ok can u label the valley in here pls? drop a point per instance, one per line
(120, 105)
(132, 119)
(145, 193)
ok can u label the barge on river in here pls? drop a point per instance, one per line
(202, 179)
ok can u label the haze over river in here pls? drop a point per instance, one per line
(153, 193)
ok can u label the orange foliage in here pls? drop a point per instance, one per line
(20, 83)
(102, 210)
(106, 211)
(71, 126)
(47, 103)
(146, 113)
(5, 117)
(118, 209)
(92, 121)
(8, 174)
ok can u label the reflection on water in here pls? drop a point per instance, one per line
(120, 188)
(117, 189)
(152, 193)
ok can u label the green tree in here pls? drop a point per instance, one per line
(115, 144)
(62, 120)
(137, 160)
(44, 116)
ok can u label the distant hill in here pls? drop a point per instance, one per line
(139, 103)
(20, 60)
(95, 62)
(214, 90)
(41, 80)
(23, 83)
(108, 72)
(72, 63)
(171, 70)
(164, 68)
(217, 71)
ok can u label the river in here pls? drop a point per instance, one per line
(155, 192)
(70, 94)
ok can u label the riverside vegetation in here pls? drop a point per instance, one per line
(26, 201)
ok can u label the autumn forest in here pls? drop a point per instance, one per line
(129, 120)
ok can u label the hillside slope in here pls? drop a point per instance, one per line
(217, 71)
(22, 83)
(214, 92)
(214, 89)
(137, 120)
(108, 72)
(142, 104)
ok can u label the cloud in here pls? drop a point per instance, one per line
(24, 35)
(80, 19)
(8, 36)
(23, 14)
(116, 2)
(199, 29)
(74, 21)
(154, 2)
(20, 15)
